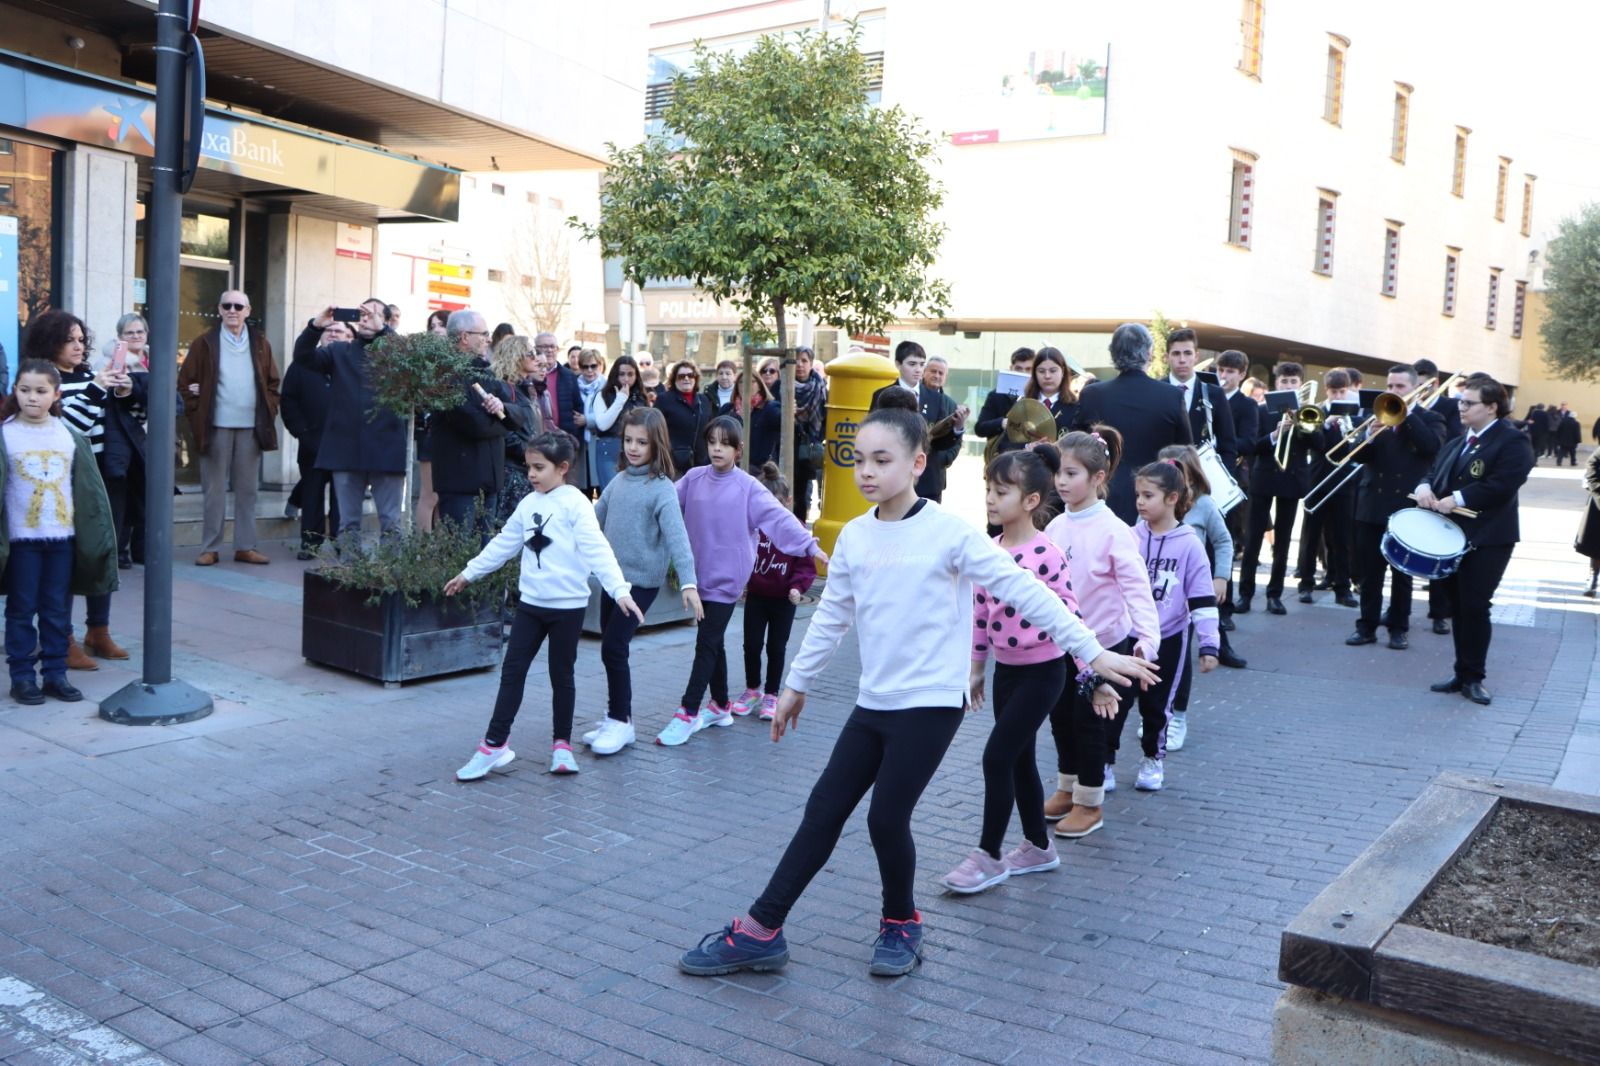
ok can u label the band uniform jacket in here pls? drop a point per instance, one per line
(1394, 463)
(1149, 415)
(935, 405)
(1488, 477)
(1221, 433)
(1246, 428)
(1447, 408)
(992, 417)
(1267, 478)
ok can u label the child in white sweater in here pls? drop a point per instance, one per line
(561, 544)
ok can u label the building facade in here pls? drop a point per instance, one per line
(1300, 181)
(325, 125)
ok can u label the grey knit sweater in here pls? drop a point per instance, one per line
(640, 517)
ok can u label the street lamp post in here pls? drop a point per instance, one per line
(157, 698)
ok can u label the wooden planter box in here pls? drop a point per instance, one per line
(1351, 941)
(390, 641)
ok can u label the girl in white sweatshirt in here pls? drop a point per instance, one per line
(905, 559)
(561, 544)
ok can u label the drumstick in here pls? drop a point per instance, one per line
(484, 395)
(1464, 512)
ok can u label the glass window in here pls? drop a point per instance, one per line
(27, 243)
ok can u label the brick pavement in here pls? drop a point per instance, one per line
(298, 879)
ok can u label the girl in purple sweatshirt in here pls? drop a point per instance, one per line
(724, 510)
(1180, 581)
(776, 585)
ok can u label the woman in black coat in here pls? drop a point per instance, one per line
(687, 411)
(1588, 540)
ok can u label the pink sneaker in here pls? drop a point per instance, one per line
(977, 872)
(769, 708)
(746, 702)
(1026, 858)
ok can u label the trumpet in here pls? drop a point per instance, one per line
(1307, 419)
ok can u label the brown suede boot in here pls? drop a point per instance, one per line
(98, 641)
(1060, 803)
(1085, 816)
(77, 658)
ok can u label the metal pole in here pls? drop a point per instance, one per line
(158, 699)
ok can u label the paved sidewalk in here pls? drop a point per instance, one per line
(298, 879)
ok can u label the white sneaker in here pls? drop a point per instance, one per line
(1177, 731)
(561, 760)
(1151, 775)
(712, 715)
(588, 738)
(1111, 778)
(680, 729)
(612, 737)
(483, 760)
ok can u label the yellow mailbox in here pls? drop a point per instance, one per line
(852, 379)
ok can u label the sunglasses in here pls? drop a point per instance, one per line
(687, 377)
(588, 366)
(770, 370)
(234, 307)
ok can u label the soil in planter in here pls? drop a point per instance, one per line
(1530, 881)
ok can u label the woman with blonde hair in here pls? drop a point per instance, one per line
(511, 361)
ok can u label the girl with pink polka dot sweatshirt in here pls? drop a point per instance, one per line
(1015, 640)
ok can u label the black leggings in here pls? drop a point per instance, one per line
(769, 619)
(710, 658)
(1155, 703)
(1023, 697)
(616, 631)
(528, 630)
(894, 753)
(1180, 701)
(1081, 736)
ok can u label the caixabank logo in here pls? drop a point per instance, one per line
(239, 145)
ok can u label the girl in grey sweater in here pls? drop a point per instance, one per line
(639, 514)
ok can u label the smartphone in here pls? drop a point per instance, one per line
(347, 314)
(119, 358)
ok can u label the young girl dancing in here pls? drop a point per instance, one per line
(776, 585)
(905, 559)
(638, 512)
(561, 544)
(60, 538)
(1180, 581)
(1114, 594)
(1029, 675)
(724, 508)
(1206, 519)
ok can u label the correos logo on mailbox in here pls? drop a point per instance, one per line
(842, 443)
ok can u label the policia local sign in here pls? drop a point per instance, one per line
(80, 107)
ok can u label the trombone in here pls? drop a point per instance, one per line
(1388, 410)
(1306, 419)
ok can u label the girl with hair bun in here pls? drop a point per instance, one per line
(1030, 672)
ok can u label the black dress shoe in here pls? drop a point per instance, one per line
(1344, 599)
(1226, 625)
(1474, 691)
(26, 692)
(60, 688)
(1399, 641)
(1227, 657)
(1241, 605)
(1275, 606)
(1453, 685)
(1441, 626)
(1324, 585)
(1358, 638)
(1305, 597)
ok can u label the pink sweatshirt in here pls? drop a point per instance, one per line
(1109, 577)
(1016, 641)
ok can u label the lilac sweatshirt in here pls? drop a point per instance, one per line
(1180, 580)
(723, 513)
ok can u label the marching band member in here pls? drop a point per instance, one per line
(1328, 527)
(1275, 495)
(1210, 417)
(1483, 472)
(1232, 366)
(1447, 408)
(1391, 465)
(992, 416)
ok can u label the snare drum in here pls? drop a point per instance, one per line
(1224, 489)
(1424, 544)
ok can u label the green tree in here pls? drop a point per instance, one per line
(780, 189)
(1088, 69)
(1571, 329)
(1159, 328)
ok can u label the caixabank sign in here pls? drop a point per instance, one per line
(112, 114)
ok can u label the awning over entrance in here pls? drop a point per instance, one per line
(86, 109)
